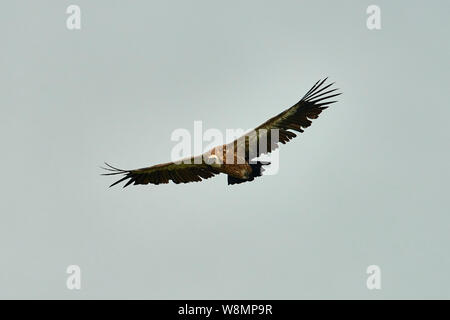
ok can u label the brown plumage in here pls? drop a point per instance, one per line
(236, 159)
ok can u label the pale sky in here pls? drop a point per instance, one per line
(366, 184)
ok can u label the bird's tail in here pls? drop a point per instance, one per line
(257, 170)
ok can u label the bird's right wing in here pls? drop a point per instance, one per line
(183, 172)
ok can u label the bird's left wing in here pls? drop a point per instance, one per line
(183, 172)
(296, 118)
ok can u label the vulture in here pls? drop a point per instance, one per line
(238, 159)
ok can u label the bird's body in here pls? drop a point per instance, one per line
(234, 166)
(236, 159)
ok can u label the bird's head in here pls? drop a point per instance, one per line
(214, 161)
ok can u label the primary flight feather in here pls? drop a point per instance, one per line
(228, 159)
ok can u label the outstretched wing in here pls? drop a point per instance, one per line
(183, 172)
(296, 118)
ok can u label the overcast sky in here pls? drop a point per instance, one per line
(366, 184)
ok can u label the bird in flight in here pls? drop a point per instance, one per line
(236, 159)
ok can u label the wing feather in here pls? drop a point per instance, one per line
(163, 173)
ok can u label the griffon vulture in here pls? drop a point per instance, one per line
(236, 159)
